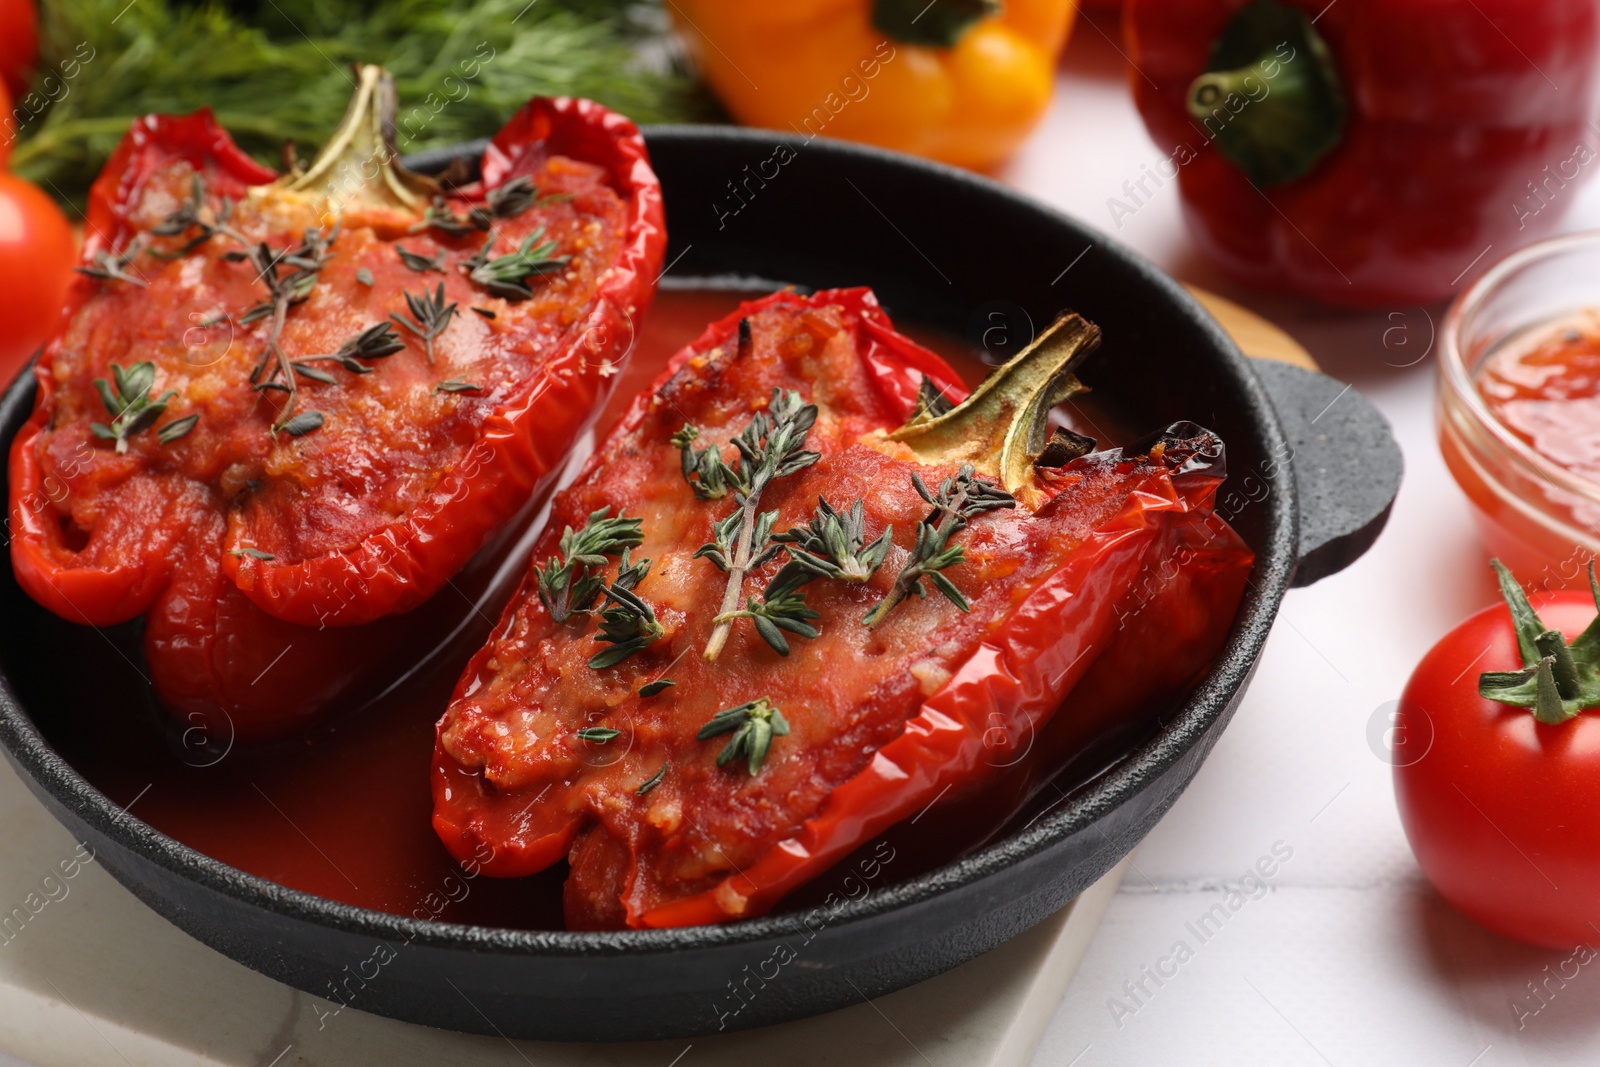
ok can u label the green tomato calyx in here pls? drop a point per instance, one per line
(1557, 679)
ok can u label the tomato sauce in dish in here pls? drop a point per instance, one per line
(344, 813)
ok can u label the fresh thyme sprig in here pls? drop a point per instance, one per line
(771, 446)
(958, 499)
(507, 276)
(703, 467)
(834, 545)
(133, 409)
(108, 267)
(290, 275)
(568, 583)
(627, 623)
(418, 262)
(192, 214)
(440, 217)
(509, 200)
(374, 342)
(503, 202)
(304, 264)
(430, 316)
(780, 608)
(753, 726)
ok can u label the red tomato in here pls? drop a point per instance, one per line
(37, 252)
(1502, 811)
(8, 131)
(19, 44)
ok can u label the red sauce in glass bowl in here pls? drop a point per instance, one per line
(1548, 394)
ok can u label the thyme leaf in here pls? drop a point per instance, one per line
(652, 781)
(177, 428)
(959, 498)
(776, 611)
(753, 726)
(511, 198)
(598, 734)
(440, 216)
(418, 262)
(303, 423)
(567, 583)
(456, 385)
(650, 689)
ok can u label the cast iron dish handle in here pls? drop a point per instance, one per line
(1346, 464)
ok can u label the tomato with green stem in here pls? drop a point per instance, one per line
(1497, 765)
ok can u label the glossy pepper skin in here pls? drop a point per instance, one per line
(238, 541)
(1465, 134)
(823, 68)
(881, 720)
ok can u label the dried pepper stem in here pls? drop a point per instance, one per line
(1001, 428)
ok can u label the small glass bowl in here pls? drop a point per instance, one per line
(1541, 519)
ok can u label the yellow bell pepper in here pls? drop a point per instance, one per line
(962, 81)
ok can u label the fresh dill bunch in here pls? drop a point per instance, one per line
(277, 72)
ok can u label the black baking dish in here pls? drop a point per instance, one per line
(942, 248)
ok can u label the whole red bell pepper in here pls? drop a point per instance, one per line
(1365, 152)
(278, 406)
(701, 711)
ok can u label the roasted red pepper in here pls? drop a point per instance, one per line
(279, 404)
(939, 589)
(1365, 152)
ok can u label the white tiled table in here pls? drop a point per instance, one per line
(1350, 959)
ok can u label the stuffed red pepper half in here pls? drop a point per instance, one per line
(803, 588)
(282, 405)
